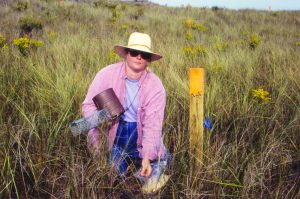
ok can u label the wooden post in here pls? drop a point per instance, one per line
(196, 113)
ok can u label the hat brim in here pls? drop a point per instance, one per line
(121, 51)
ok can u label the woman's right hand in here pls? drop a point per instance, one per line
(93, 142)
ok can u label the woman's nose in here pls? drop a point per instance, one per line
(139, 56)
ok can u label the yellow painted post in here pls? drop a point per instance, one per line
(189, 23)
(196, 113)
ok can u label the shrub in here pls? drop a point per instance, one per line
(138, 13)
(215, 8)
(98, 3)
(115, 15)
(20, 6)
(123, 6)
(111, 5)
(107, 4)
(27, 24)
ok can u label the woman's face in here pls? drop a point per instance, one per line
(137, 61)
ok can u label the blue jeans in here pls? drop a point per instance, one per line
(124, 150)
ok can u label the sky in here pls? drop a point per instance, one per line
(236, 4)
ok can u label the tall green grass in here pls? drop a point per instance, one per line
(252, 150)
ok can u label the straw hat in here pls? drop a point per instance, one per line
(137, 41)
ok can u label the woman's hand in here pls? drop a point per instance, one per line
(146, 168)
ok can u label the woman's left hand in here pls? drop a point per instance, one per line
(146, 168)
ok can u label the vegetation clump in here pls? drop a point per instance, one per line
(27, 24)
(260, 95)
(138, 12)
(25, 44)
(21, 6)
(198, 50)
(254, 41)
(3, 42)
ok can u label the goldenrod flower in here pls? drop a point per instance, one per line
(260, 94)
(35, 43)
(24, 44)
(3, 43)
(193, 51)
(52, 35)
(124, 27)
(189, 52)
(254, 41)
(112, 56)
(5, 46)
(200, 27)
(245, 33)
(188, 35)
(221, 45)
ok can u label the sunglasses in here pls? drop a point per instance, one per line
(144, 55)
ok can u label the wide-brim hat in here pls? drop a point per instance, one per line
(137, 41)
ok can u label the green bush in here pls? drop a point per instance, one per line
(138, 13)
(27, 24)
(20, 6)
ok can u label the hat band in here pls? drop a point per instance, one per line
(139, 45)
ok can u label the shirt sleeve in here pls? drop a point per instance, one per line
(88, 106)
(152, 122)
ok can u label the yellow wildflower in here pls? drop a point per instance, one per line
(25, 43)
(254, 41)
(189, 52)
(5, 46)
(22, 42)
(245, 33)
(193, 51)
(2, 40)
(124, 27)
(221, 45)
(260, 94)
(36, 43)
(200, 27)
(52, 35)
(112, 56)
(188, 35)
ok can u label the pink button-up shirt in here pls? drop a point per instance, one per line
(150, 113)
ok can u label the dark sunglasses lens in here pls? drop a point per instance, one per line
(146, 55)
(134, 53)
